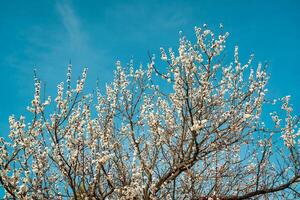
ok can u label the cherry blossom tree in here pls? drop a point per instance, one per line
(190, 126)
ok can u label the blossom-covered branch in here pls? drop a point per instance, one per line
(195, 129)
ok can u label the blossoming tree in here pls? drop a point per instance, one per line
(192, 130)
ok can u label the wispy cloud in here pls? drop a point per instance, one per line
(77, 38)
(49, 47)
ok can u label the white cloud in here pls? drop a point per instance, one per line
(50, 46)
(76, 37)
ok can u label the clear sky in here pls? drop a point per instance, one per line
(47, 34)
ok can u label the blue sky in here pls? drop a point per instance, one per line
(47, 34)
